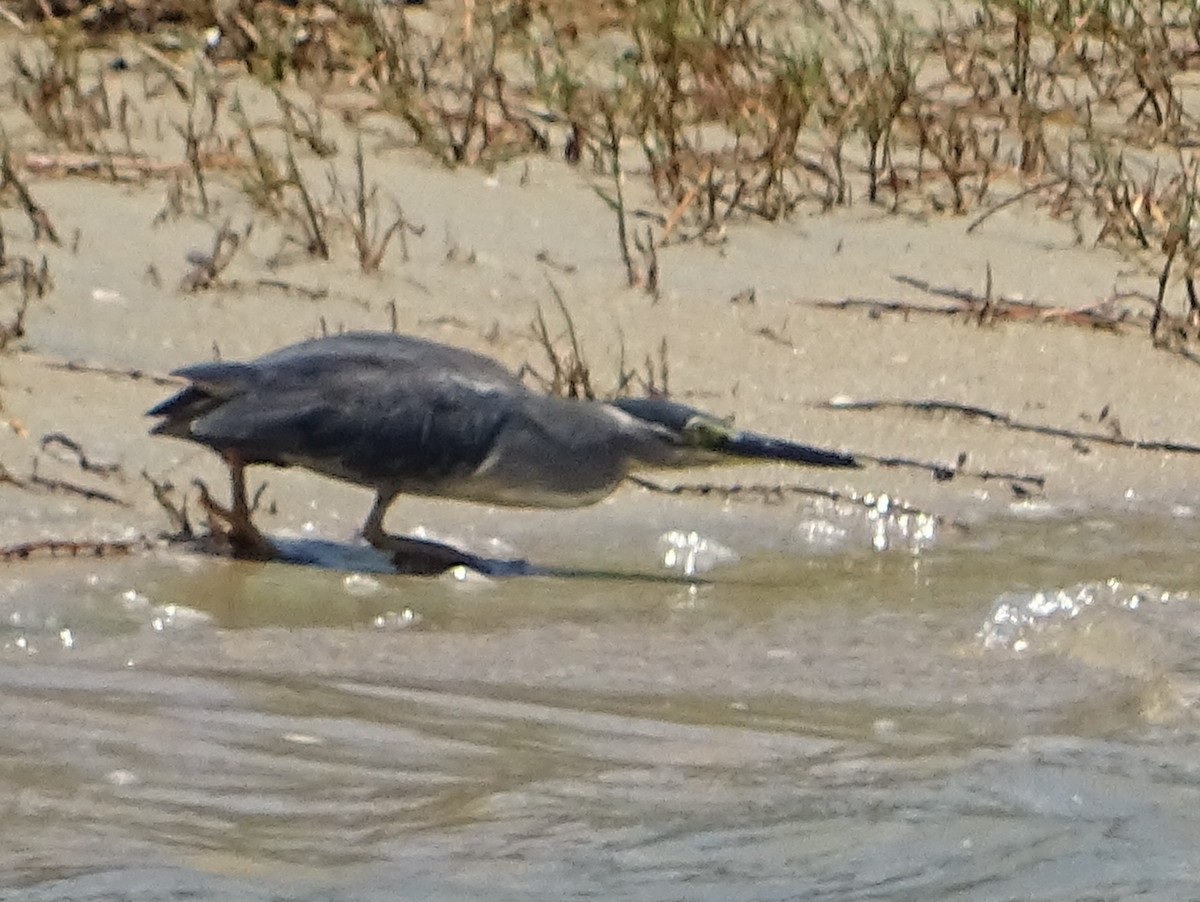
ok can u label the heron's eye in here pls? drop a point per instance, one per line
(705, 432)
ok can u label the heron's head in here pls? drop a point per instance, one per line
(688, 436)
(708, 437)
(693, 437)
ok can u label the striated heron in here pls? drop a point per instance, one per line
(404, 415)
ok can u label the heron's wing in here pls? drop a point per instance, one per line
(399, 354)
(320, 358)
(366, 417)
(367, 405)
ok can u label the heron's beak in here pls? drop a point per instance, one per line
(754, 445)
(710, 434)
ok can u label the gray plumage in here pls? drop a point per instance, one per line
(405, 415)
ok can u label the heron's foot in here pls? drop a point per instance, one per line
(234, 527)
(420, 557)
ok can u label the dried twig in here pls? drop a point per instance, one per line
(312, 294)
(370, 241)
(632, 275)
(312, 216)
(73, 548)
(985, 312)
(175, 74)
(38, 217)
(164, 494)
(1014, 199)
(75, 366)
(14, 329)
(85, 463)
(207, 268)
(13, 19)
(570, 374)
(70, 488)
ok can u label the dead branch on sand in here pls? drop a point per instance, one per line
(974, 412)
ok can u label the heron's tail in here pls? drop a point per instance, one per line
(212, 385)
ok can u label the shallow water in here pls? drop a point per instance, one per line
(848, 724)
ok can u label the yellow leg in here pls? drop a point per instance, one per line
(416, 556)
(233, 524)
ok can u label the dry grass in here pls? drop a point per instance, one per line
(730, 109)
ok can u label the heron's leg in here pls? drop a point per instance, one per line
(239, 504)
(417, 556)
(239, 530)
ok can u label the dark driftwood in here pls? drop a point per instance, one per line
(946, 472)
(974, 412)
(87, 464)
(71, 488)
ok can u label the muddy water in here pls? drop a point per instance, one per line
(1006, 713)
